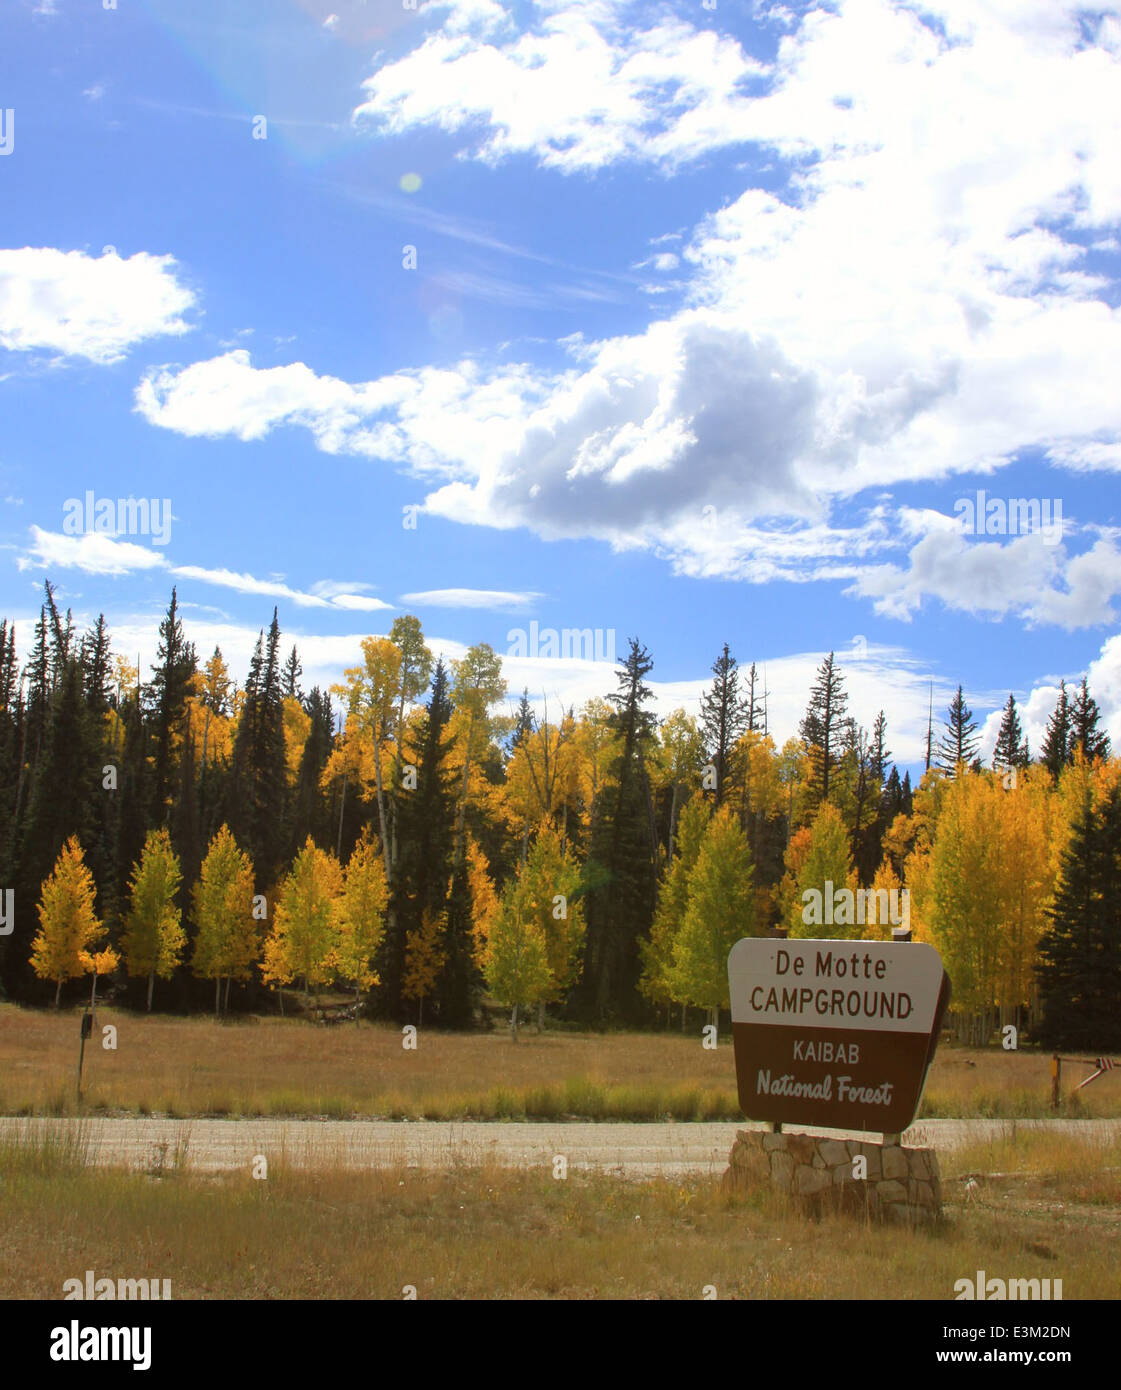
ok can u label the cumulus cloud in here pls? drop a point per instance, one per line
(581, 90)
(96, 307)
(912, 301)
(1025, 577)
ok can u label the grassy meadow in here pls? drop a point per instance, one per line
(1042, 1208)
(251, 1066)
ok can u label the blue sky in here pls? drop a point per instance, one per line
(715, 315)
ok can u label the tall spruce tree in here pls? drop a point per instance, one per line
(621, 871)
(959, 741)
(259, 782)
(427, 842)
(1055, 753)
(823, 726)
(170, 685)
(724, 717)
(1011, 746)
(1085, 736)
(1079, 968)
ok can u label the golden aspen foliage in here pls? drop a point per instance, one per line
(673, 898)
(362, 915)
(68, 925)
(424, 959)
(154, 938)
(227, 943)
(720, 910)
(827, 861)
(305, 930)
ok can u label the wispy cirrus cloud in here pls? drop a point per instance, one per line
(96, 553)
(495, 599)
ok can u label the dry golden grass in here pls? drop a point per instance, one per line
(496, 1233)
(272, 1066)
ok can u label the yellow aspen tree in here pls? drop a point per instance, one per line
(552, 881)
(297, 726)
(721, 910)
(477, 685)
(827, 870)
(424, 959)
(966, 891)
(877, 920)
(484, 899)
(1027, 888)
(362, 917)
(153, 939)
(677, 763)
(305, 933)
(226, 946)
(98, 963)
(517, 958)
(68, 925)
(596, 750)
(372, 692)
(673, 899)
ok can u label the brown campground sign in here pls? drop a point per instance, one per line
(835, 1033)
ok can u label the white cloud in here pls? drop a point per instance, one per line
(92, 553)
(1024, 577)
(912, 304)
(471, 598)
(581, 92)
(86, 306)
(98, 553)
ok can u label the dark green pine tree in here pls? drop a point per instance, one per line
(822, 727)
(1011, 746)
(1055, 754)
(38, 694)
(309, 812)
(908, 806)
(170, 685)
(1079, 968)
(290, 682)
(95, 655)
(724, 717)
(460, 985)
(1085, 736)
(12, 725)
(426, 846)
(133, 783)
(620, 875)
(102, 844)
(523, 722)
(959, 741)
(259, 781)
(65, 798)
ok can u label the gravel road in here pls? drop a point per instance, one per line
(628, 1150)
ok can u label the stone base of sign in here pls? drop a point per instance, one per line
(901, 1186)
